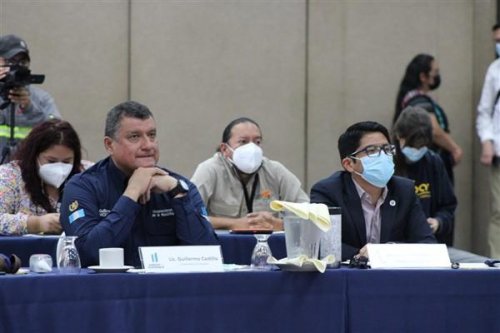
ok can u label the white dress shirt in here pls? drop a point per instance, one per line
(488, 119)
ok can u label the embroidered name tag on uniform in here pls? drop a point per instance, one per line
(103, 212)
(162, 212)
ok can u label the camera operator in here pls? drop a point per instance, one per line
(32, 105)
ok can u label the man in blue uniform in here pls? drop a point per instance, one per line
(127, 201)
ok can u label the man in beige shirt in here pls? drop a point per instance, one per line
(238, 183)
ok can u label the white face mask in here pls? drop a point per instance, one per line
(247, 158)
(55, 173)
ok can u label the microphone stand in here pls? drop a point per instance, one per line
(11, 143)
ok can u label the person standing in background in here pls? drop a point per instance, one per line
(421, 77)
(488, 130)
(496, 37)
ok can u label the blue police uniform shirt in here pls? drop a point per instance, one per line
(95, 209)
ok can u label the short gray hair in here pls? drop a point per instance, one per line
(130, 109)
(414, 125)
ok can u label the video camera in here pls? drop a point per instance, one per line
(18, 76)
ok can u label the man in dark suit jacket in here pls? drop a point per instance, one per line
(377, 207)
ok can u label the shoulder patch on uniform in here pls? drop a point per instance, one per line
(204, 213)
(73, 206)
(76, 215)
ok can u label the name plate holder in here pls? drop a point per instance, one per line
(180, 259)
(393, 255)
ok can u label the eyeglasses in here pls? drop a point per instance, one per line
(374, 151)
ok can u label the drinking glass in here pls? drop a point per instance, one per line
(261, 252)
(302, 237)
(68, 260)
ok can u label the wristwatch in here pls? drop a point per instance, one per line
(181, 187)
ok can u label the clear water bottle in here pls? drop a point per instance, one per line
(331, 241)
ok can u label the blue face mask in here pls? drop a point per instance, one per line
(413, 154)
(377, 170)
(497, 48)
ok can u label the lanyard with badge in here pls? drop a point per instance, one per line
(249, 199)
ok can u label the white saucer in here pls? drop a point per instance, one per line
(306, 267)
(100, 269)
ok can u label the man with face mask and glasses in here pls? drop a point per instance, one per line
(377, 207)
(238, 183)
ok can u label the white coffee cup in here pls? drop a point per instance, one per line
(111, 257)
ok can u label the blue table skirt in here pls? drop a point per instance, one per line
(424, 301)
(340, 300)
(197, 302)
